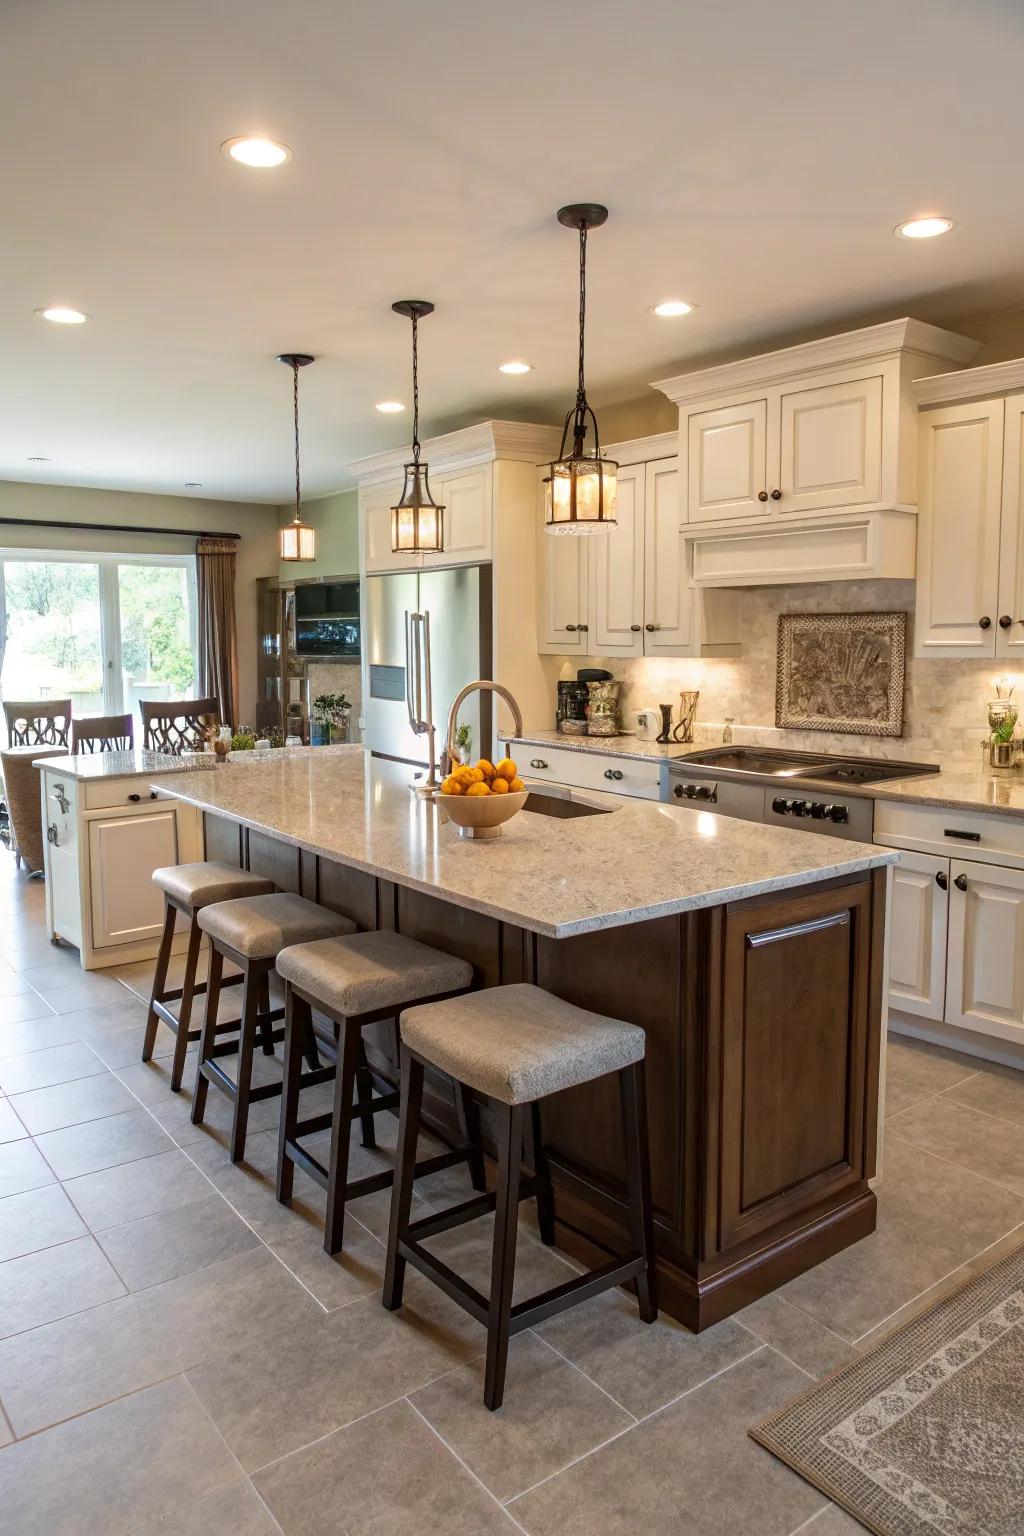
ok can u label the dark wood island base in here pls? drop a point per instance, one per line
(763, 1021)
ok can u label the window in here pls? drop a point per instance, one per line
(105, 631)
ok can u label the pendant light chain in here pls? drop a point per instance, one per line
(581, 393)
(295, 401)
(415, 389)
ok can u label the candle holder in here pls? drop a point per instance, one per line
(687, 711)
(665, 734)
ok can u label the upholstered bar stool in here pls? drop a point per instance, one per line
(251, 933)
(187, 889)
(356, 980)
(516, 1045)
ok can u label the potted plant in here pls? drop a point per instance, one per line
(331, 713)
(463, 737)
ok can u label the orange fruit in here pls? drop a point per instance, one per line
(464, 775)
(470, 776)
(451, 786)
(506, 769)
(499, 786)
(478, 789)
(486, 768)
(517, 785)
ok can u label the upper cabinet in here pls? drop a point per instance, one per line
(727, 462)
(970, 584)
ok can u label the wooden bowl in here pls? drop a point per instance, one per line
(482, 815)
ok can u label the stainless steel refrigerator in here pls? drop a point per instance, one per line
(458, 605)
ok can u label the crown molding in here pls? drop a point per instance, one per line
(519, 441)
(969, 383)
(641, 450)
(872, 342)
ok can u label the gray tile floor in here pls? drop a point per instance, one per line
(178, 1355)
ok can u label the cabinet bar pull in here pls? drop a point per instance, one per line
(965, 837)
(797, 930)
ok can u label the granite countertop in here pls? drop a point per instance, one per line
(612, 746)
(124, 765)
(553, 877)
(1001, 794)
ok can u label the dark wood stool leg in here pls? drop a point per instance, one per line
(503, 1258)
(246, 1043)
(469, 1124)
(405, 1173)
(545, 1195)
(159, 980)
(349, 1049)
(634, 1125)
(364, 1096)
(209, 1036)
(188, 987)
(296, 1019)
(266, 1027)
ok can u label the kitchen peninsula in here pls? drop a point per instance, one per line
(752, 956)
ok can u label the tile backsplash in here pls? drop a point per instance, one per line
(944, 711)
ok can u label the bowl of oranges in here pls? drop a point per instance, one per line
(481, 798)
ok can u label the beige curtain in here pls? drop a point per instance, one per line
(218, 628)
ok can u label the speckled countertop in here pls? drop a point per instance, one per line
(553, 877)
(124, 765)
(611, 746)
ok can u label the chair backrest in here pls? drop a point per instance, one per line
(175, 726)
(38, 722)
(103, 733)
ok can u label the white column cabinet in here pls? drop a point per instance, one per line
(670, 605)
(617, 570)
(985, 972)
(917, 950)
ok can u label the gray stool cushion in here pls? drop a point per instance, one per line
(366, 971)
(519, 1043)
(260, 926)
(197, 885)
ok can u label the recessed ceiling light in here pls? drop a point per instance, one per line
(670, 308)
(61, 315)
(193, 485)
(251, 149)
(38, 458)
(924, 229)
(515, 367)
(390, 407)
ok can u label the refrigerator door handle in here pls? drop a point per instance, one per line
(426, 719)
(409, 666)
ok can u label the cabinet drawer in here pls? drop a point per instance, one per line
(118, 794)
(964, 834)
(589, 770)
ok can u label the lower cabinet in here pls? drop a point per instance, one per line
(123, 853)
(917, 945)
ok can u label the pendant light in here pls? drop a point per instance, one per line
(580, 490)
(297, 540)
(417, 522)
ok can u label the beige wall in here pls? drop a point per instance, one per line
(336, 520)
(257, 549)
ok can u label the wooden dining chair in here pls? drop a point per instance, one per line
(38, 722)
(103, 733)
(175, 725)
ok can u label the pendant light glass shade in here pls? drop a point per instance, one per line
(581, 488)
(296, 540)
(417, 520)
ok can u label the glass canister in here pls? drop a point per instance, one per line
(1002, 717)
(603, 708)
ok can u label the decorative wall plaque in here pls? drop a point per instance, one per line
(841, 672)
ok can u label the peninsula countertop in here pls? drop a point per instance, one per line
(550, 876)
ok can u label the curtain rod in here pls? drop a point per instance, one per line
(185, 533)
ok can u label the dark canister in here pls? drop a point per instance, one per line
(571, 713)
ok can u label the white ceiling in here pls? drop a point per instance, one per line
(754, 157)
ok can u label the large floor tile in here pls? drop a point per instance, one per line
(236, 1510)
(943, 1288)
(11, 983)
(994, 1090)
(901, 1095)
(552, 1415)
(53, 1283)
(37, 1034)
(91, 1098)
(40, 1218)
(239, 1304)
(932, 1217)
(692, 1467)
(6, 1432)
(809, 1344)
(77, 994)
(174, 1110)
(80, 1149)
(112, 1470)
(981, 1142)
(68, 1367)
(320, 1374)
(924, 1067)
(23, 1007)
(11, 1128)
(161, 1247)
(130, 1190)
(334, 1279)
(55, 976)
(388, 1475)
(22, 1166)
(46, 1068)
(641, 1365)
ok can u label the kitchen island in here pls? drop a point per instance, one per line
(751, 956)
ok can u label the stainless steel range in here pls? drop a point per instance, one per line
(809, 790)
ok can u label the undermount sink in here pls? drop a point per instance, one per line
(561, 807)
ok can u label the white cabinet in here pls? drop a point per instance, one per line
(375, 515)
(123, 853)
(583, 768)
(961, 474)
(985, 976)
(727, 462)
(466, 498)
(831, 445)
(563, 580)
(617, 569)
(917, 948)
(1010, 637)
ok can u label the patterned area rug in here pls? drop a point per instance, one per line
(924, 1436)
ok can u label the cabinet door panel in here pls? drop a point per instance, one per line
(669, 599)
(123, 853)
(985, 974)
(726, 453)
(466, 499)
(917, 946)
(617, 573)
(564, 598)
(960, 467)
(831, 446)
(375, 509)
(1010, 641)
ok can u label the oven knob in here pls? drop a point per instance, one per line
(781, 807)
(818, 810)
(801, 807)
(704, 792)
(679, 791)
(837, 812)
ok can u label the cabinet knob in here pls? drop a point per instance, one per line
(942, 880)
(776, 495)
(961, 882)
(613, 773)
(650, 628)
(570, 629)
(985, 622)
(135, 799)
(537, 762)
(1005, 621)
(584, 629)
(636, 628)
(762, 495)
